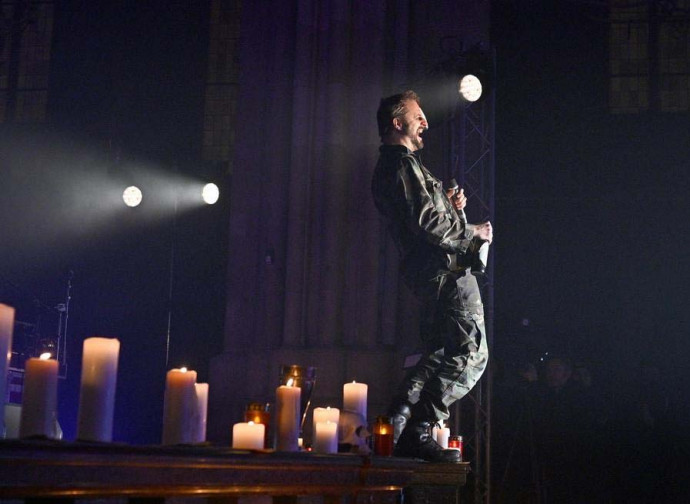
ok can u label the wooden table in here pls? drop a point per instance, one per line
(64, 470)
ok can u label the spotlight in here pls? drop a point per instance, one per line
(470, 88)
(132, 196)
(210, 193)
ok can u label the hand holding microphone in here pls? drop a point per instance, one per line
(458, 199)
(483, 231)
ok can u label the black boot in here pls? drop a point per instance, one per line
(399, 414)
(416, 441)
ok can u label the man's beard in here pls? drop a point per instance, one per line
(414, 137)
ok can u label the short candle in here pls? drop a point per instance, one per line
(248, 436)
(326, 437)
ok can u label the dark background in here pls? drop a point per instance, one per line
(590, 207)
(590, 224)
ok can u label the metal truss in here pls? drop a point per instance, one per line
(473, 165)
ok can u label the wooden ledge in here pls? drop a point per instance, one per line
(59, 469)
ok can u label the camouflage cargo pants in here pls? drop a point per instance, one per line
(456, 354)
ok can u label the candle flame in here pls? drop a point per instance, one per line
(353, 381)
(45, 356)
(183, 369)
(250, 422)
(290, 382)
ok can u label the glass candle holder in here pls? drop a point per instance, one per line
(455, 443)
(383, 436)
(259, 413)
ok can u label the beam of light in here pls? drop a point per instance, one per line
(60, 191)
(470, 88)
(210, 193)
(132, 196)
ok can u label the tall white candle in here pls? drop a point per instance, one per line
(287, 417)
(248, 436)
(6, 328)
(326, 414)
(39, 398)
(179, 407)
(202, 410)
(326, 438)
(97, 392)
(355, 398)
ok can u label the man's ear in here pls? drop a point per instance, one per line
(397, 124)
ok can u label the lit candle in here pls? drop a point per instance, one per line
(383, 436)
(202, 410)
(287, 417)
(455, 443)
(39, 397)
(180, 407)
(97, 392)
(259, 413)
(326, 438)
(355, 398)
(442, 435)
(248, 436)
(326, 414)
(6, 328)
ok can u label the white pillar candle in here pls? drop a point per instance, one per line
(97, 392)
(355, 398)
(442, 436)
(6, 328)
(248, 436)
(287, 417)
(179, 407)
(326, 414)
(39, 397)
(202, 410)
(326, 437)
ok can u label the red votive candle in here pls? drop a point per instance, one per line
(383, 436)
(455, 443)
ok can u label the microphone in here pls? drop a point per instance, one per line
(481, 257)
(461, 213)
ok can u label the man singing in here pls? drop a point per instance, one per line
(437, 247)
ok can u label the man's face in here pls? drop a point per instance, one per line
(413, 125)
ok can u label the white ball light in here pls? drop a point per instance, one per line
(470, 88)
(132, 196)
(210, 193)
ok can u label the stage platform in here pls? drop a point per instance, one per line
(41, 470)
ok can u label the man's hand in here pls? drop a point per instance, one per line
(457, 198)
(484, 231)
